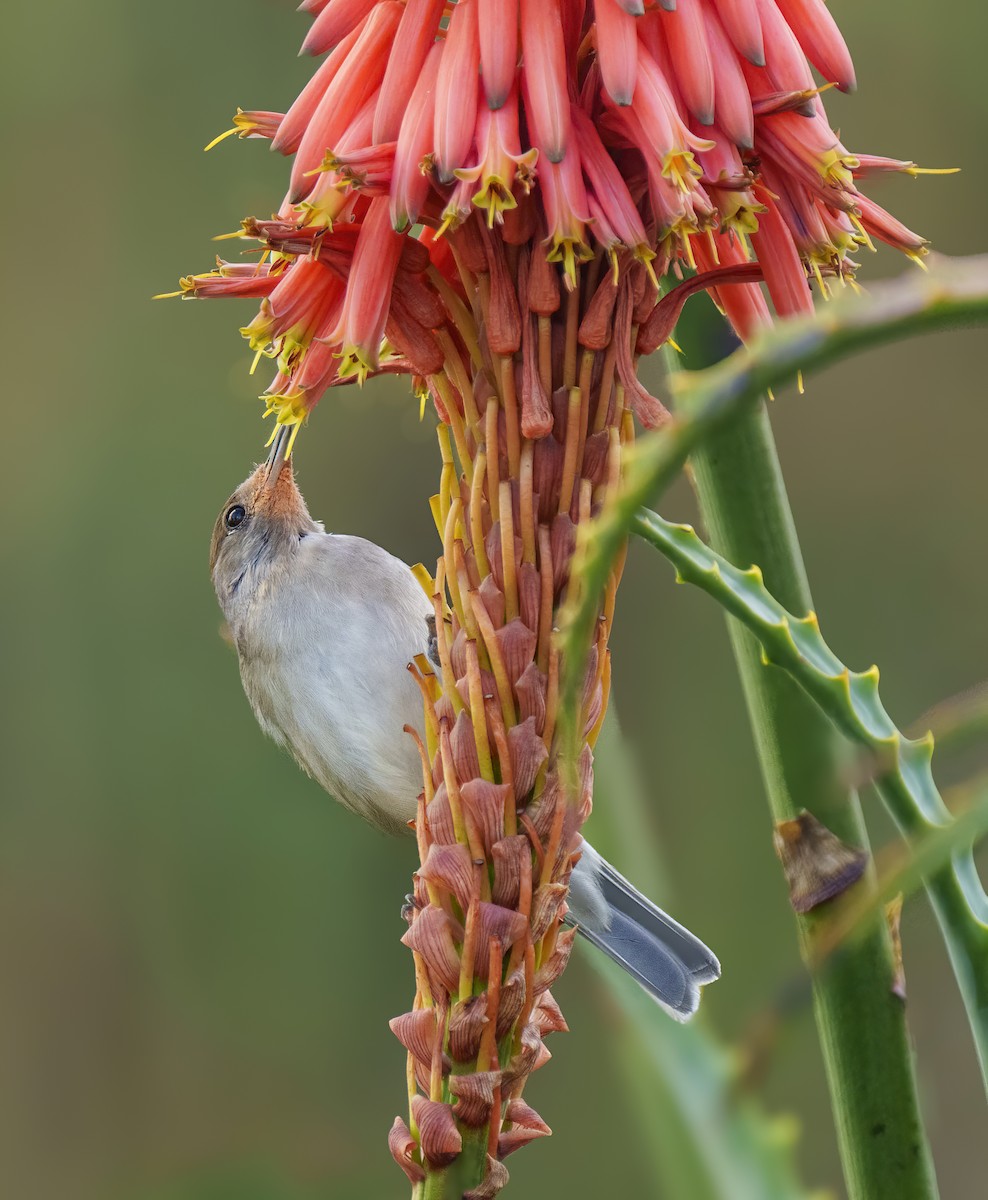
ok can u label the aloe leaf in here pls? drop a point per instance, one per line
(851, 700)
(955, 292)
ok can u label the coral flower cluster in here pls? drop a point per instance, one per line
(503, 199)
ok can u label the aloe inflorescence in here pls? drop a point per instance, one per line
(484, 196)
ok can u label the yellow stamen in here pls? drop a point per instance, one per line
(220, 138)
(912, 169)
(612, 254)
(354, 361)
(686, 242)
(570, 251)
(818, 275)
(495, 196)
(681, 168)
(644, 254)
(865, 240)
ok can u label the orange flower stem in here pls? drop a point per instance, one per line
(552, 849)
(504, 762)
(460, 315)
(457, 371)
(431, 720)
(486, 626)
(422, 835)
(623, 415)
(509, 396)
(525, 887)
(452, 787)
(436, 508)
(552, 697)
(572, 329)
(477, 515)
(586, 373)
(493, 456)
(520, 948)
(526, 1011)
(606, 387)
(495, 1127)
(427, 789)
(583, 504)
(508, 552)
(465, 583)
(487, 1055)
(412, 1085)
(572, 448)
(449, 561)
(455, 423)
(591, 273)
(613, 477)
(422, 980)
(545, 353)
(470, 938)
(533, 836)
(469, 281)
(447, 478)
(436, 1072)
(545, 606)
(594, 733)
(527, 501)
(610, 592)
(477, 713)
(445, 663)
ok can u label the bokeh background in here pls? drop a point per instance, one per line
(198, 952)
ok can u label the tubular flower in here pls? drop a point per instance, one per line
(502, 161)
(482, 196)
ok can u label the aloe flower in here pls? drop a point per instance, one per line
(484, 195)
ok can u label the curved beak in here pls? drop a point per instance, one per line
(278, 455)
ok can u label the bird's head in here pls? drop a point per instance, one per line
(265, 518)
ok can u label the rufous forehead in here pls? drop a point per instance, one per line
(283, 501)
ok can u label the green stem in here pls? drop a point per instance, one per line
(466, 1172)
(861, 1022)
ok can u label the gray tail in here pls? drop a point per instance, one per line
(669, 962)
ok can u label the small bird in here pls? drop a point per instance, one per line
(325, 626)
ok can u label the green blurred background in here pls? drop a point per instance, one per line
(198, 952)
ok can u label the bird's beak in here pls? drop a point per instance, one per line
(278, 455)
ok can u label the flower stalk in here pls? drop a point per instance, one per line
(499, 833)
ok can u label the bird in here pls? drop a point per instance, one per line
(325, 626)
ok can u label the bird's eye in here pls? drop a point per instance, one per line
(235, 516)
